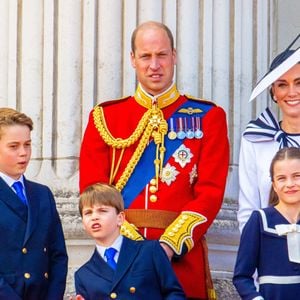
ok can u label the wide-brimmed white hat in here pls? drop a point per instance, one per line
(280, 64)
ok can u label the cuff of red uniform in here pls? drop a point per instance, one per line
(131, 231)
(179, 235)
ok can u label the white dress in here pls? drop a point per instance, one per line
(260, 142)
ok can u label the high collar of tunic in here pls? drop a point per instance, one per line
(162, 100)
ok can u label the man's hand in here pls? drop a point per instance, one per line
(168, 251)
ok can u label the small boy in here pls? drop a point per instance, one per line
(33, 258)
(135, 270)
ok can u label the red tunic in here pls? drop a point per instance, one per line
(198, 185)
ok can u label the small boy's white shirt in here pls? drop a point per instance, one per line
(116, 244)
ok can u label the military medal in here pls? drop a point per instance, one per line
(198, 131)
(180, 134)
(190, 132)
(198, 134)
(172, 134)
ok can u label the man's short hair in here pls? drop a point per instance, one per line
(150, 24)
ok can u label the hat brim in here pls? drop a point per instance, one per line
(275, 74)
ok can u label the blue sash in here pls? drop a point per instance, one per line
(145, 170)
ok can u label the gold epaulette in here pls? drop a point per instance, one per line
(130, 231)
(199, 99)
(180, 231)
(109, 102)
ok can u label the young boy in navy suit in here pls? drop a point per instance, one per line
(120, 268)
(33, 258)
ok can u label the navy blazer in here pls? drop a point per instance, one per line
(143, 272)
(33, 257)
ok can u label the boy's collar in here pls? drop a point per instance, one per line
(116, 244)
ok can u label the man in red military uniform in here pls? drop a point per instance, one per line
(167, 153)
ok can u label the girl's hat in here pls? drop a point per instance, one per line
(280, 64)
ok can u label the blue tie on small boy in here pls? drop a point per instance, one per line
(110, 254)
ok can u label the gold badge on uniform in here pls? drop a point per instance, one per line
(190, 110)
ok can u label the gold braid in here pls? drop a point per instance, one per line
(152, 124)
(118, 143)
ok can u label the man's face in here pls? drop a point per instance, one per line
(15, 150)
(154, 60)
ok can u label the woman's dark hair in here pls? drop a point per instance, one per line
(282, 154)
(280, 58)
(276, 62)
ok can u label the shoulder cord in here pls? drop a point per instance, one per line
(152, 124)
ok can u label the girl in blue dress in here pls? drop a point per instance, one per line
(270, 240)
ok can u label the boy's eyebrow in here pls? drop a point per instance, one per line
(102, 207)
(95, 207)
(86, 208)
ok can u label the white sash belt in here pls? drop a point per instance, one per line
(279, 279)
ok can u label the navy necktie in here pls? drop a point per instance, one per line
(18, 187)
(110, 254)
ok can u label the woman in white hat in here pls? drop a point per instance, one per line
(266, 135)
